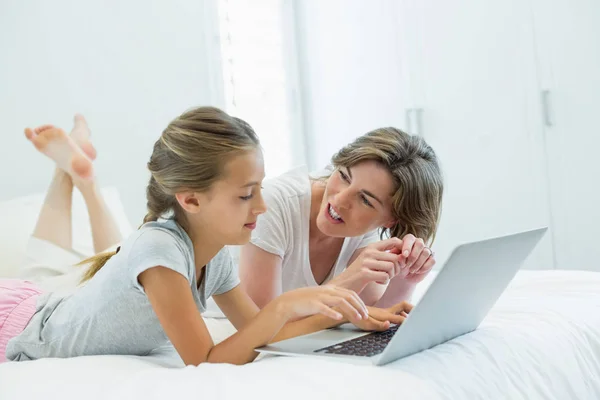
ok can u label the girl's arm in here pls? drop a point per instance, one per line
(240, 310)
(173, 303)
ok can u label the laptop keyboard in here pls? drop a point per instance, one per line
(364, 346)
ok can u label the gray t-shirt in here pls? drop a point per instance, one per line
(111, 314)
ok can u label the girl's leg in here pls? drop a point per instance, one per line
(54, 221)
(105, 231)
(74, 155)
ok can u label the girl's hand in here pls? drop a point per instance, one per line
(380, 319)
(323, 299)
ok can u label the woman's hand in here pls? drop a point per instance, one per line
(379, 262)
(323, 299)
(415, 258)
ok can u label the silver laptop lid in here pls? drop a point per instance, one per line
(471, 281)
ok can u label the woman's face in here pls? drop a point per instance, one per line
(357, 200)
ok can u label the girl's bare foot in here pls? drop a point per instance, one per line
(63, 150)
(81, 135)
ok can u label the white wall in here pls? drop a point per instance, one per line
(129, 67)
(364, 63)
(350, 70)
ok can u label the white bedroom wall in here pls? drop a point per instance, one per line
(129, 67)
(364, 63)
(352, 77)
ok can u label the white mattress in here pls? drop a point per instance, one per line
(541, 340)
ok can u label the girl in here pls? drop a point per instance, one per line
(323, 229)
(204, 193)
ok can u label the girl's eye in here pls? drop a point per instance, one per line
(366, 201)
(245, 198)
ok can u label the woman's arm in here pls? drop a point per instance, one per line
(173, 303)
(260, 274)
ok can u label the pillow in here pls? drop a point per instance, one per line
(19, 217)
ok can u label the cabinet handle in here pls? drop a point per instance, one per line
(546, 109)
(408, 120)
(419, 112)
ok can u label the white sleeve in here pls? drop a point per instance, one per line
(368, 238)
(270, 233)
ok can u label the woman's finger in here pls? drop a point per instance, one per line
(407, 244)
(387, 244)
(427, 267)
(419, 263)
(415, 253)
(384, 266)
(379, 277)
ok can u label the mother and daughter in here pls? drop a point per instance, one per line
(310, 260)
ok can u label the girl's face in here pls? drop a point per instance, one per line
(229, 210)
(357, 200)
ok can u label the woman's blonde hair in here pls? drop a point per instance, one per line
(190, 155)
(418, 181)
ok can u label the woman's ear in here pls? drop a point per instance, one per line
(189, 201)
(390, 224)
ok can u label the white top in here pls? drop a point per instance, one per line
(284, 229)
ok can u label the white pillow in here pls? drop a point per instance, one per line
(19, 217)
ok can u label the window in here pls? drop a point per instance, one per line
(259, 76)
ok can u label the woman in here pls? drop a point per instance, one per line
(324, 229)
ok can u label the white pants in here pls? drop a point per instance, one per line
(50, 266)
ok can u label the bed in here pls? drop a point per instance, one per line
(540, 341)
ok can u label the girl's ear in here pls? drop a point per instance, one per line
(189, 201)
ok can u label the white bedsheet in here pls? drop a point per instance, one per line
(541, 340)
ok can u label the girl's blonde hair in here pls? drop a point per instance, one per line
(417, 199)
(190, 155)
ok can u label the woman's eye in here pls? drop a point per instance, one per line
(344, 176)
(365, 200)
(246, 197)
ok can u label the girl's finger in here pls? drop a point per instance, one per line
(377, 325)
(329, 312)
(343, 305)
(354, 300)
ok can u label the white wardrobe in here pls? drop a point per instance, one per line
(506, 92)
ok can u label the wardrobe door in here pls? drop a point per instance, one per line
(478, 106)
(568, 46)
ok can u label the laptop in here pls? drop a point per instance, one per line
(465, 289)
